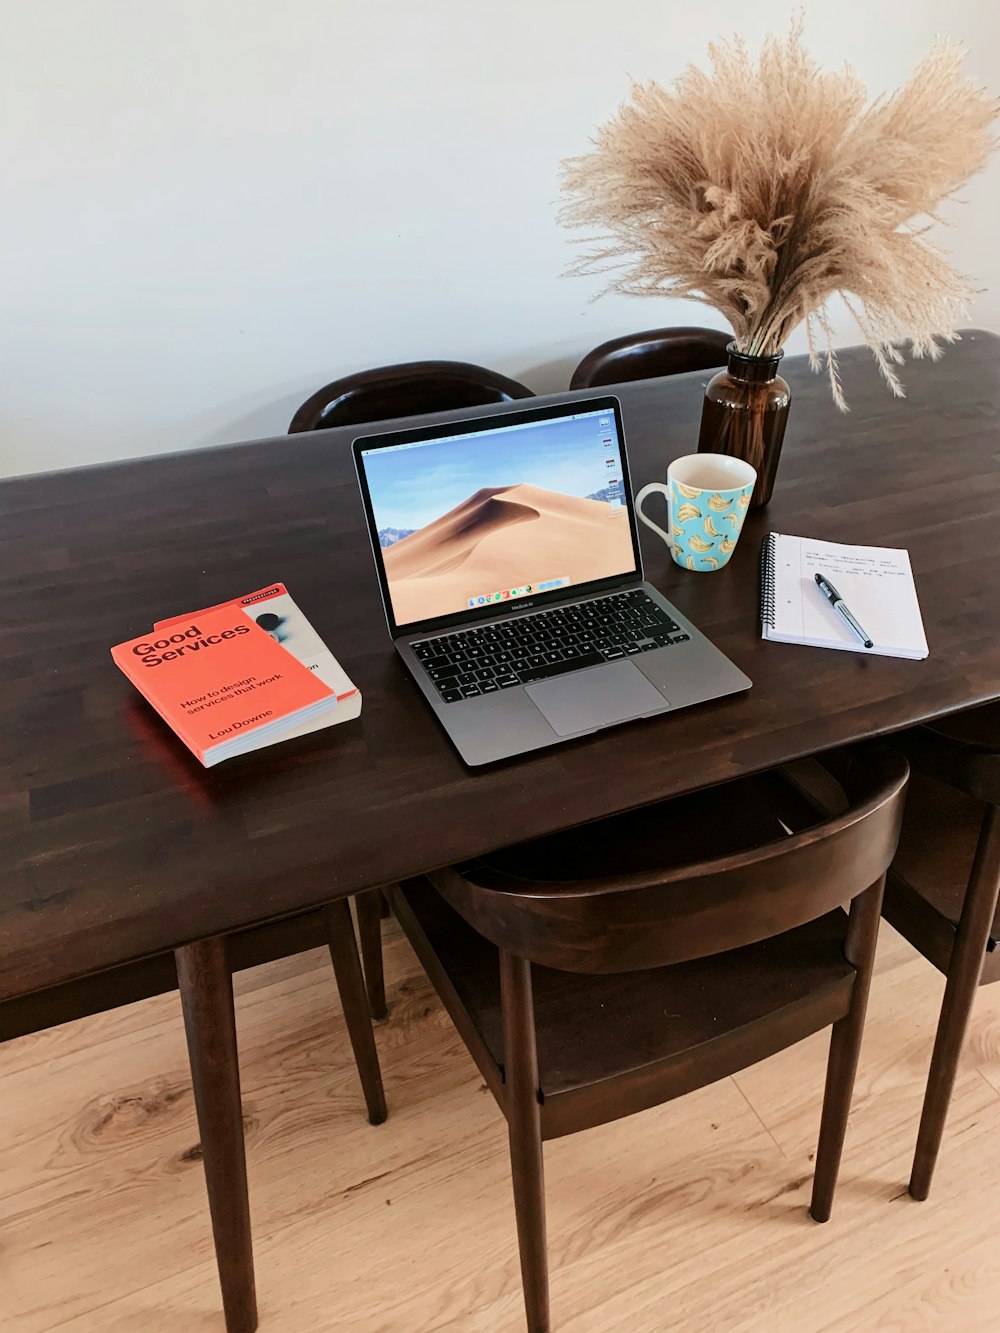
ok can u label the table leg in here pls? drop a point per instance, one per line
(206, 989)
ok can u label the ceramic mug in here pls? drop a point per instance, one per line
(708, 496)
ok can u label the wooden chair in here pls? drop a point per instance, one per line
(406, 390)
(643, 356)
(942, 890)
(558, 959)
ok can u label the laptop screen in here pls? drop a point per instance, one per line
(488, 517)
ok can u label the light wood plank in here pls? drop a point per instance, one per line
(691, 1216)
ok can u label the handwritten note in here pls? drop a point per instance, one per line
(876, 583)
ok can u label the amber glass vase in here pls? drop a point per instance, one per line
(746, 407)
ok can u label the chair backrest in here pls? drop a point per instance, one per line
(406, 390)
(652, 918)
(962, 750)
(643, 356)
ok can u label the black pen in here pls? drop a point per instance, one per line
(838, 604)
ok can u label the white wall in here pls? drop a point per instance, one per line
(213, 206)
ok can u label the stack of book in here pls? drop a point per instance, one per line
(239, 676)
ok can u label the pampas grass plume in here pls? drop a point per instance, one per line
(764, 189)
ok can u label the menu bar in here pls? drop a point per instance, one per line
(605, 425)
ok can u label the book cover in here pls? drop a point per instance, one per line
(222, 682)
(274, 610)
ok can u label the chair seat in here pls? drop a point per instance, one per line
(734, 817)
(635, 1029)
(926, 886)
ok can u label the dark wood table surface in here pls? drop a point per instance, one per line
(117, 845)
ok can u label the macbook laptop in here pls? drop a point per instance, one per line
(508, 558)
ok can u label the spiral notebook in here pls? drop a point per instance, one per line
(876, 583)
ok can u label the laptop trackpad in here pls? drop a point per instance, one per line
(595, 698)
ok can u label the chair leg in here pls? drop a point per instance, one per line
(206, 989)
(351, 983)
(845, 1046)
(369, 906)
(964, 969)
(525, 1135)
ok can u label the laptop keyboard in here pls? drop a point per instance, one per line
(485, 659)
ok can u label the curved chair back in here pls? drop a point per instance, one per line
(406, 390)
(653, 918)
(642, 356)
(961, 750)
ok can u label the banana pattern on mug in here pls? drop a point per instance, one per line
(701, 546)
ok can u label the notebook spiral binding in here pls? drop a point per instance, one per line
(767, 580)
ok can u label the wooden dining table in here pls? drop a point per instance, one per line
(126, 868)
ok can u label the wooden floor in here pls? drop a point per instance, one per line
(691, 1216)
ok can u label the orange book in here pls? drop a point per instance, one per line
(223, 683)
(273, 609)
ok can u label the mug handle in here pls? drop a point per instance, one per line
(648, 489)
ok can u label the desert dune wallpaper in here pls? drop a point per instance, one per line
(502, 537)
(467, 516)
